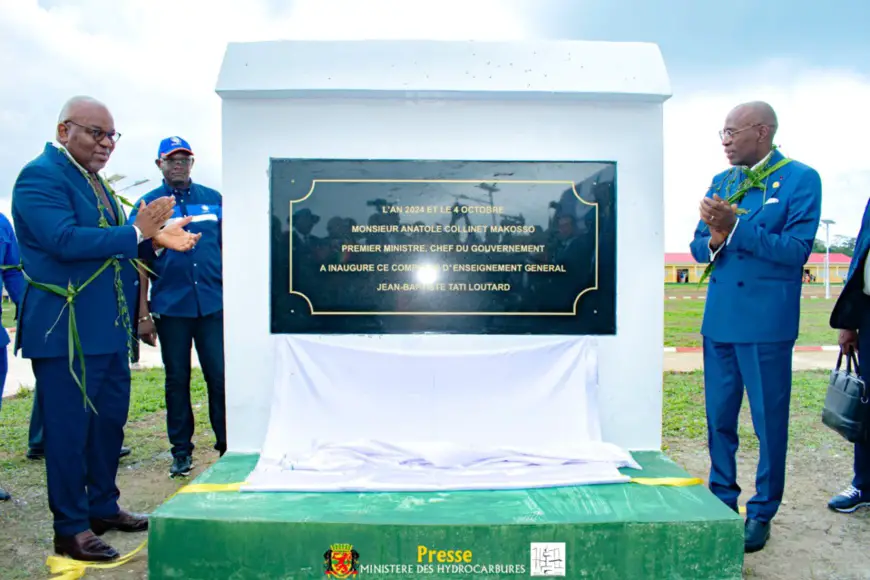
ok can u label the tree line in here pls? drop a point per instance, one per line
(839, 245)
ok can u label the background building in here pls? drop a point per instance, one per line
(682, 268)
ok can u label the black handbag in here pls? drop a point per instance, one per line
(847, 402)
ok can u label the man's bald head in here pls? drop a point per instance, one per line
(748, 132)
(76, 105)
(758, 113)
(87, 130)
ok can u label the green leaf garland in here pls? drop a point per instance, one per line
(70, 293)
(755, 179)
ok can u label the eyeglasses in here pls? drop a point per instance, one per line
(179, 162)
(97, 133)
(731, 132)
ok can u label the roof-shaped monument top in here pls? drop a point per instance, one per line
(444, 69)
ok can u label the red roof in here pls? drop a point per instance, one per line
(819, 258)
(677, 258)
(815, 258)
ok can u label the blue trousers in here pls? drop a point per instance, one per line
(4, 370)
(861, 478)
(35, 436)
(82, 448)
(35, 440)
(765, 370)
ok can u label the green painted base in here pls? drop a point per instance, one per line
(609, 531)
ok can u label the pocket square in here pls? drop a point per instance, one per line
(771, 200)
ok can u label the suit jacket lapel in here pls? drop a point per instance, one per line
(774, 184)
(84, 185)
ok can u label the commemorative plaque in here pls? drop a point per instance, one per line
(469, 247)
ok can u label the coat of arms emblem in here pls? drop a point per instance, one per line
(341, 561)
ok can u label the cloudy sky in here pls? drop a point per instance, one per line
(156, 61)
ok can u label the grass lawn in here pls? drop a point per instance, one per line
(683, 323)
(25, 523)
(8, 319)
(683, 415)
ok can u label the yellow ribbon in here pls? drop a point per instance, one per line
(677, 482)
(209, 487)
(217, 487)
(669, 481)
(69, 569)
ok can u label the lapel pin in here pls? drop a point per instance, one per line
(775, 184)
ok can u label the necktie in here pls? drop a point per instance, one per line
(98, 187)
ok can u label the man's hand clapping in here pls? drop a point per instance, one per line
(718, 214)
(151, 217)
(719, 217)
(174, 237)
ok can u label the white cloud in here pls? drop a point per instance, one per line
(821, 123)
(155, 62)
(405, 19)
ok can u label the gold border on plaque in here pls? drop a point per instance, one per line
(571, 184)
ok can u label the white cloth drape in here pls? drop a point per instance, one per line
(441, 413)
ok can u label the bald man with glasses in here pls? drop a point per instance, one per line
(758, 246)
(72, 232)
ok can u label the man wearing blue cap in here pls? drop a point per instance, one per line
(186, 304)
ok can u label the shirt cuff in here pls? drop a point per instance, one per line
(731, 235)
(714, 253)
(138, 235)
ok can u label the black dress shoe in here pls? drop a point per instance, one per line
(755, 535)
(125, 451)
(123, 522)
(4, 495)
(84, 546)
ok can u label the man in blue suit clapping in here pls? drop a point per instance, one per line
(77, 253)
(758, 223)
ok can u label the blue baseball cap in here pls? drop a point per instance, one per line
(172, 145)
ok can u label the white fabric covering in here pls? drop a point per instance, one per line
(349, 415)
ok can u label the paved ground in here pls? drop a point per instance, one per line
(20, 376)
(802, 361)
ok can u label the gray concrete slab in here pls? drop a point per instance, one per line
(21, 376)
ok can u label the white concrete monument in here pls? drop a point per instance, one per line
(427, 100)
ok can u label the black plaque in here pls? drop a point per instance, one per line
(471, 247)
